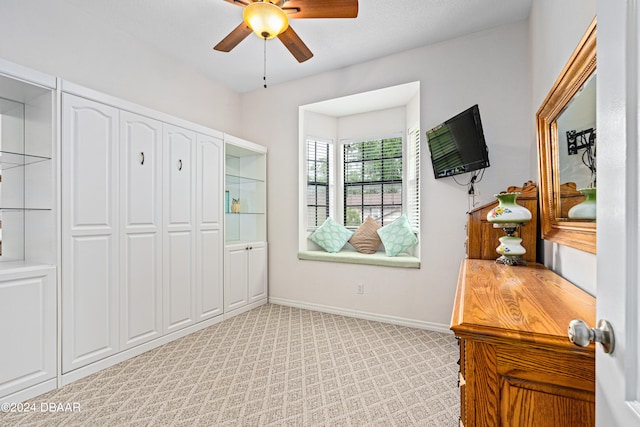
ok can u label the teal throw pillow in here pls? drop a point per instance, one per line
(397, 236)
(331, 236)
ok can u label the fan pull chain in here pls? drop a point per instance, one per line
(264, 74)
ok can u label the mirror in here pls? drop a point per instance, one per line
(566, 127)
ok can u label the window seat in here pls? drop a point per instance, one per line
(354, 257)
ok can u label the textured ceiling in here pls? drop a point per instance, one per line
(188, 30)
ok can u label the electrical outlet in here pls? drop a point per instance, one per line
(360, 289)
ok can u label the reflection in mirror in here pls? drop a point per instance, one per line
(576, 152)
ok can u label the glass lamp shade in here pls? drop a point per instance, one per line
(508, 211)
(265, 19)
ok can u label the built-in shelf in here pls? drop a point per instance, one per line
(239, 180)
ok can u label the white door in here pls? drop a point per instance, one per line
(28, 329)
(141, 237)
(235, 277)
(257, 266)
(618, 293)
(179, 236)
(90, 214)
(210, 245)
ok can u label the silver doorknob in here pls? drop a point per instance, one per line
(580, 334)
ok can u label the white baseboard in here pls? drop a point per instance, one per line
(245, 308)
(30, 392)
(401, 321)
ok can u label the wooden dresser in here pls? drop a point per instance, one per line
(517, 365)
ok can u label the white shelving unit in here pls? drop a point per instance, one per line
(245, 225)
(28, 233)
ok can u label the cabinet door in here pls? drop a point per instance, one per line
(235, 277)
(179, 293)
(28, 329)
(257, 271)
(89, 231)
(141, 237)
(209, 250)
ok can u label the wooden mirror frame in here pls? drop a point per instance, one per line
(582, 64)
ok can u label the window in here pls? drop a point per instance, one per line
(372, 181)
(378, 177)
(319, 169)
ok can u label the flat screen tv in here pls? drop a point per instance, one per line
(457, 145)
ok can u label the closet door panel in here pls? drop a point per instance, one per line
(179, 144)
(235, 277)
(257, 266)
(210, 277)
(142, 139)
(178, 276)
(141, 236)
(210, 243)
(90, 228)
(210, 170)
(90, 304)
(90, 130)
(141, 285)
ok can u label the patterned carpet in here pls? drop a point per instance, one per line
(272, 366)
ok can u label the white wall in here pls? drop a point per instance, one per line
(556, 28)
(491, 69)
(57, 38)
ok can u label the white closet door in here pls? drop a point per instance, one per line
(89, 232)
(141, 237)
(210, 244)
(235, 277)
(28, 329)
(179, 230)
(257, 276)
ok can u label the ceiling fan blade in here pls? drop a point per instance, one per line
(236, 36)
(298, 9)
(296, 46)
(242, 3)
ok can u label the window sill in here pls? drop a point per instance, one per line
(353, 257)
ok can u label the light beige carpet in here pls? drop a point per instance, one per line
(272, 366)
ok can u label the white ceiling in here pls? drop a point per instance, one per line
(188, 30)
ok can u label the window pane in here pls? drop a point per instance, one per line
(372, 149)
(372, 194)
(354, 195)
(392, 169)
(391, 214)
(353, 216)
(372, 170)
(311, 194)
(352, 153)
(376, 164)
(321, 172)
(392, 194)
(353, 172)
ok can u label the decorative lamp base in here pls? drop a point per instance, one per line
(511, 260)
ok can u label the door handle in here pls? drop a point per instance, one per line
(142, 157)
(580, 334)
(179, 164)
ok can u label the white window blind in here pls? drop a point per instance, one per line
(319, 181)
(413, 177)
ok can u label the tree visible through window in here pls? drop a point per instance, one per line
(372, 180)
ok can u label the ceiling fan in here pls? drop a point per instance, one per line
(270, 18)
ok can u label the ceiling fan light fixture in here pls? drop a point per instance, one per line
(265, 19)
